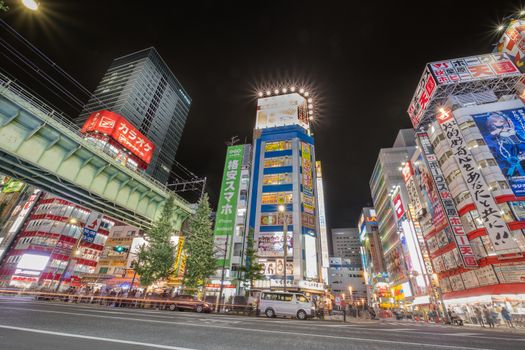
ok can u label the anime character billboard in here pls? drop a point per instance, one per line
(504, 134)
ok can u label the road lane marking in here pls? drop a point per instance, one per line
(110, 340)
(326, 336)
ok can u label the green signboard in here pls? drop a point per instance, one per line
(227, 208)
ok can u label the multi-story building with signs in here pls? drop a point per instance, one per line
(57, 244)
(283, 194)
(466, 183)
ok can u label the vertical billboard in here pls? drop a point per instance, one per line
(512, 43)
(497, 230)
(227, 207)
(322, 222)
(468, 258)
(504, 134)
(289, 109)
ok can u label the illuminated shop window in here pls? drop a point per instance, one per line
(277, 198)
(277, 179)
(277, 146)
(277, 162)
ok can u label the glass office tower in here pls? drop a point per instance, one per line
(142, 88)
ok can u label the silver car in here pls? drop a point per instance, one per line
(274, 304)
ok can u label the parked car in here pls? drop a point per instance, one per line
(189, 302)
(274, 304)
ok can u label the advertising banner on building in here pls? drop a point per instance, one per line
(270, 244)
(504, 134)
(116, 126)
(410, 184)
(424, 91)
(468, 257)
(322, 221)
(497, 230)
(227, 207)
(512, 43)
(398, 206)
(429, 193)
(438, 75)
(282, 110)
(89, 231)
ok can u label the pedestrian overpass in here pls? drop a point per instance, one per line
(40, 146)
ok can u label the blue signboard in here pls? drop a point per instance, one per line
(504, 134)
(88, 235)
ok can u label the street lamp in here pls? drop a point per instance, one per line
(350, 290)
(30, 4)
(282, 209)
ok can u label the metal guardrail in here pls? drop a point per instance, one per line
(11, 86)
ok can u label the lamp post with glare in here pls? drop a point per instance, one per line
(350, 290)
(282, 209)
(30, 4)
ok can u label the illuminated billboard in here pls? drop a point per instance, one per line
(122, 131)
(433, 88)
(504, 134)
(274, 111)
(512, 43)
(270, 244)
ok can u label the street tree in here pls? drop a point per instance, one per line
(199, 245)
(156, 258)
(251, 270)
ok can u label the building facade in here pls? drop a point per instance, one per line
(468, 169)
(345, 244)
(346, 280)
(141, 87)
(283, 210)
(58, 243)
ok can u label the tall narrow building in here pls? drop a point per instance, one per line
(142, 88)
(283, 193)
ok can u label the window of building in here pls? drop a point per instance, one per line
(467, 124)
(103, 270)
(277, 198)
(475, 143)
(277, 146)
(487, 162)
(237, 247)
(277, 179)
(277, 162)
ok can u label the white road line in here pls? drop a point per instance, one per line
(71, 335)
(325, 336)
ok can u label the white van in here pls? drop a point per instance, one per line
(274, 304)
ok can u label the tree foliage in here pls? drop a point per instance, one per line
(251, 270)
(199, 245)
(3, 6)
(156, 258)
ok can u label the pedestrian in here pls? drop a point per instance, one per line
(479, 316)
(506, 316)
(488, 316)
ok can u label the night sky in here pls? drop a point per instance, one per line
(363, 60)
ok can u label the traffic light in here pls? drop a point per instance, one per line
(120, 249)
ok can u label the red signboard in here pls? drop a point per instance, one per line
(118, 128)
(398, 206)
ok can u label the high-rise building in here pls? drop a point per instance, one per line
(141, 87)
(465, 182)
(345, 243)
(283, 209)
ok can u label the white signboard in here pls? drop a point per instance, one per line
(282, 110)
(497, 230)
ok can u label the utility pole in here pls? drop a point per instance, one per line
(74, 251)
(219, 297)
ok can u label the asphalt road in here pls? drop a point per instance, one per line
(26, 324)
